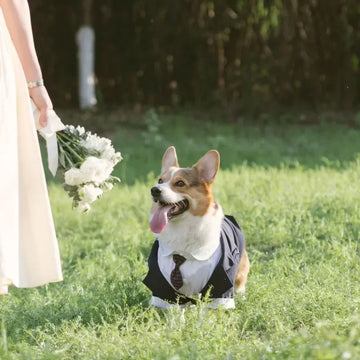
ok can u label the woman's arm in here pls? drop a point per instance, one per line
(17, 17)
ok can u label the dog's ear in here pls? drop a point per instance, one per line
(169, 159)
(208, 166)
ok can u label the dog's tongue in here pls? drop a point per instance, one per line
(159, 219)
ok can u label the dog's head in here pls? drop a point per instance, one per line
(182, 190)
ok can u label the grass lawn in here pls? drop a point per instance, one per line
(295, 190)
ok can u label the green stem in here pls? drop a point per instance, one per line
(67, 157)
(71, 149)
(75, 145)
(69, 138)
(66, 140)
(69, 160)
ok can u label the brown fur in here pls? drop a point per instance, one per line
(242, 273)
(194, 189)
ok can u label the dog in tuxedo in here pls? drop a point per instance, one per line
(198, 252)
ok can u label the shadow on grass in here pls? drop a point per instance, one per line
(91, 303)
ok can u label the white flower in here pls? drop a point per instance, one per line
(92, 170)
(81, 130)
(96, 143)
(102, 146)
(107, 186)
(115, 157)
(74, 177)
(89, 193)
(111, 155)
(83, 207)
(96, 170)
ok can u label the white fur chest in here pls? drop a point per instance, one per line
(194, 237)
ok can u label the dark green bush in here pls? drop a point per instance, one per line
(239, 54)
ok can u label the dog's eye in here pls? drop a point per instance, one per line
(160, 181)
(180, 183)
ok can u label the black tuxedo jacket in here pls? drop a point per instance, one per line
(221, 282)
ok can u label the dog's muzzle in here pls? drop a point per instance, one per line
(155, 193)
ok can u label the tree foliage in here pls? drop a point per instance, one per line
(235, 53)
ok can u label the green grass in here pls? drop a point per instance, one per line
(295, 192)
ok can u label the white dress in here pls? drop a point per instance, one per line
(29, 254)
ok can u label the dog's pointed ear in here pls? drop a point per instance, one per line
(208, 166)
(169, 159)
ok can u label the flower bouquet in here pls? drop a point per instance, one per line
(85, 159)
(87, 162)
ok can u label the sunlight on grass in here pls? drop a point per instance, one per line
(302, 225)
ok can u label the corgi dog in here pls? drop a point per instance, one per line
(198, 251)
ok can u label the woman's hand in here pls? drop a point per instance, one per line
(42, 101)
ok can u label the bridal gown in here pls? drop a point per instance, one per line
(29, 254)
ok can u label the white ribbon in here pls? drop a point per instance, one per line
(49, 134)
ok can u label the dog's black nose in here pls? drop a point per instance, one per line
(155, 192)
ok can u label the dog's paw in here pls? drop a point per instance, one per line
(240, 293)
